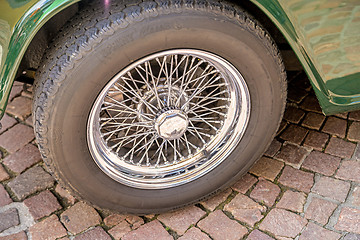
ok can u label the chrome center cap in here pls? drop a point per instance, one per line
(171, 124)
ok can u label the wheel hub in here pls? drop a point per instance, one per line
(171, 124)
(166, 97)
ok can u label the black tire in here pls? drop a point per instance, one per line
(97, 45)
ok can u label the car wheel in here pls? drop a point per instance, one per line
(157, 105)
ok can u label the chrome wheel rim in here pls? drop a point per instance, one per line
(168, 119)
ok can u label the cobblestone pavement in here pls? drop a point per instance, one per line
(306, 186)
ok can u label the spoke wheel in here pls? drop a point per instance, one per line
(168, 119)
(151, 106)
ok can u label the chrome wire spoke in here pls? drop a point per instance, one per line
(133, 124)
(164, 120)
(176, 151)
(197, 133)
(189, 77)
(201, 133)
(187, 144)
(151, 107)
(147, 82)
(136, 135)
(169, 80)
(205, 130)
(146, 148)
(212, 95)
(160, 153)
(205, 108)
(120, 104)
(205, 121)
(121, 127)
(198, 90)
(109, 120)
(112, 132)
(207, 113)
(209, 86)
(202, 120)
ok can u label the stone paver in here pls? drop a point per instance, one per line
(313, 160)
(332, 188)
(245, 183)
(6, 123)
(20, 107)
(294, 178)
(340, 148)
(349, 170)
(97, 233)
(24, 158)
(321, 163)
(181, 220)
(267, 168)
(48, 229)
(120, 230)
(335, 126)
(16, 137)
(320, 210)
(258, 235)
(215, 201)
(293, 114)
(311, 104)
(355, 197)
(349, 220)
(313, 120)
(16, 90)
(355, 116)
(316, 140)
(80, 217)
(151, 230)
(313, 231)
(194, 234)
(296, 95)
(273, 148)
(356, 155)
(294, 134)
(292, 154)
(8, 219)
(4, 175)
(219, 226)
(32, 180)
(114, 219)
(245, 209)
(4, 197)
(65, 194)
(15, 236)
(135, 221)
(354, 132)
(42, 204)
(283, 223)
(282, 126)
(351, 236)
(342, 115)
(265, 192)
(293, 201)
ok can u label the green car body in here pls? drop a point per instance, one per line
(324, 34)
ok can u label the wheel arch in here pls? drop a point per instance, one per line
(23, 36)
